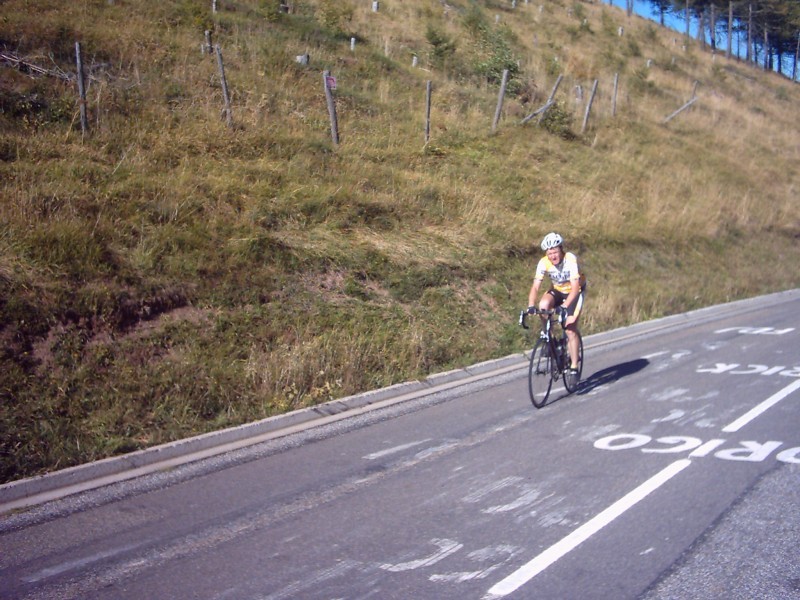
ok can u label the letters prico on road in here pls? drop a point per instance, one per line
(745, 451)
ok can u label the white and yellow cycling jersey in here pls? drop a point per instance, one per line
(561, 275)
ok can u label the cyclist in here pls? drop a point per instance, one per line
(567, 291)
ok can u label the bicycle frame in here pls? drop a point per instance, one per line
(556, 343)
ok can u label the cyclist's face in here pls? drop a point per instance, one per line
(555, 255)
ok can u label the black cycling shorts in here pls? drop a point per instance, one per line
(576, 307)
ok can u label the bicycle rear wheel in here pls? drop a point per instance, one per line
(540, 373)
(569, 382)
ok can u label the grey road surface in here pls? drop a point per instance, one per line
(673, 472)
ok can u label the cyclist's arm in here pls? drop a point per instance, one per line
(534, 293)
(574, 282)
(538, 277)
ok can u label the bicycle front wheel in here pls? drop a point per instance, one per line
(540, 373)
(571, 382)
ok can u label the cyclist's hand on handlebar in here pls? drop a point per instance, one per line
(531, 310)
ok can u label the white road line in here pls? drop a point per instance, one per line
(77, 563)
(446, 548)
(388, 451)
(531, 569)
(649, 356)
(764, 406)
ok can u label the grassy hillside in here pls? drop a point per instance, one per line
(165, 274)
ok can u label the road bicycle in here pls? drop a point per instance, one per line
(550, 358)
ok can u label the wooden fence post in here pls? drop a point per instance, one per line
(326, 79)
(680, 110)
(541, 111)
(614, 96)
(589, 107)
(81, 89)
(500, 98)
(691, 101)
(551, 99)
(225, 95)
(428, 111)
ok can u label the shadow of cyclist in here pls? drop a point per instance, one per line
(611, 375)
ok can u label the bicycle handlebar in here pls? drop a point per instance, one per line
(532, 310)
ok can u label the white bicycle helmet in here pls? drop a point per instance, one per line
(551, 240)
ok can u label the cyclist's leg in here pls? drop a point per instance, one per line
(547, 302)
(573, 341)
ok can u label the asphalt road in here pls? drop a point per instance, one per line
(674, 472)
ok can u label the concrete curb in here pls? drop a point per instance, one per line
(42, 488)
(35, 490)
